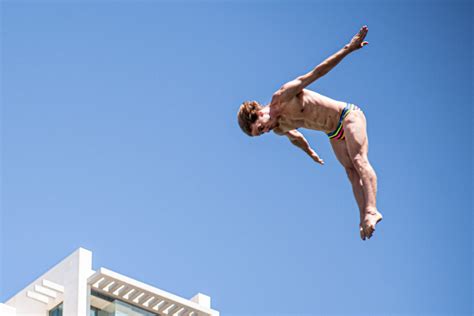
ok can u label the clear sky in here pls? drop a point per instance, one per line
(119, 134)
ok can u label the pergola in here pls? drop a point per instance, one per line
(144, 296)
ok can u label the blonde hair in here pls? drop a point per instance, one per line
(247, 115)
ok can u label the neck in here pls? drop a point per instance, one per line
(273, 113)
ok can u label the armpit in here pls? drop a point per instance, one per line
(279, 131)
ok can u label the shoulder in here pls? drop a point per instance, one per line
(288, 90)
(276, 97)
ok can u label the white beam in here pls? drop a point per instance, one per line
(135, 294)
(130, 292)
(159, 304)
(103, 283)
(150, 301)
(45, 291)
(39, 297)
(179, 312)
(53, 286)
(116, 286)
(121, 290)
(165, 307)
(144, 298)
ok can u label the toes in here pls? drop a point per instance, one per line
(369, 231)
(362, 233)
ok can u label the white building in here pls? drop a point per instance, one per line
(72, 288)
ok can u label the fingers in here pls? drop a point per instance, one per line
(358, 40)
(317, 159)
(363, 32)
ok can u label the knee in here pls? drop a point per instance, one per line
(362, 165)
(360, 162)
(352, 173)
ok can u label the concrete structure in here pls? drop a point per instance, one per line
(72, 288)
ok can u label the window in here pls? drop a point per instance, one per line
(97, 312)
(57, 311)
(102, 305)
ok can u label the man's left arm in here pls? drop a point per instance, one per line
(298, 140)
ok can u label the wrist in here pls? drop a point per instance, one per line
(348, 48)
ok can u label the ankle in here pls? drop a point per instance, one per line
(371, 210)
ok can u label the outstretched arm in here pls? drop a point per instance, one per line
(294, 87)
(298, 140)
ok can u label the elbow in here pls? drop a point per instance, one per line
(310, 77)
(321, 69)
(294, 84)
(298, 83)
(295, 141)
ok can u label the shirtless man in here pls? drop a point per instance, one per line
(294, 107)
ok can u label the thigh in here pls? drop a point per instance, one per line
(355, 132)
(340, 150)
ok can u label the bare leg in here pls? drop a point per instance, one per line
(358, 190)
(340, 150)
(357, 146)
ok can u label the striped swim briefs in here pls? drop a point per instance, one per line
(338, 133)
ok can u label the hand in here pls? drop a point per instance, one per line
(316, 158)
(358, 39)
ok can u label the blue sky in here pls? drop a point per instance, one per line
(119, 135)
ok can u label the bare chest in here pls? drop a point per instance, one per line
(293, 114)
(308, 111)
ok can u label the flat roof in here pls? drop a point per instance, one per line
(145, 296)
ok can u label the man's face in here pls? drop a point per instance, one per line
(262, 124)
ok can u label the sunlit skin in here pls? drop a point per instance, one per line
(293, 107)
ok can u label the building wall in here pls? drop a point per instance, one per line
(7, 310)
(66, 282)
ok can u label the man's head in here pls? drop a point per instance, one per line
(253, 118)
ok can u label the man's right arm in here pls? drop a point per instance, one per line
(297, 139)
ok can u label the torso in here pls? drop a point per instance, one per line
(309, 110)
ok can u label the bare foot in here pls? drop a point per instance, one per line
(367, 225)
